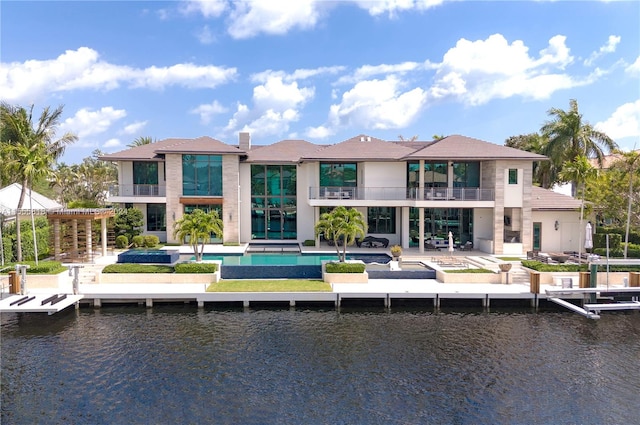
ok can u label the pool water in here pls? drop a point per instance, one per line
(291, 259)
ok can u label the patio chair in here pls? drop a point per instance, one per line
(468, 246)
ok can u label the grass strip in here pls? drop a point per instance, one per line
(275, 285)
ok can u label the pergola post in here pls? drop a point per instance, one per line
(74, 236)
(103, 235)
(56, 239)
(89, 247)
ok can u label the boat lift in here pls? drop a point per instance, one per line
(592, 309)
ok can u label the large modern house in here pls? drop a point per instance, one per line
(412, 193)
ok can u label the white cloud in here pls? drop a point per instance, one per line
(479, 71)
(319, 132)
(634, 68)
(134, 128)
(610, 47)
(368, 71)
(112, 143)
(208, 8)
(392, 7)
(624, 122)
(207, 111)
(82, 69)
(298, 74)
(205, 36)
(375, 104)
(87, 122)
(275, 105)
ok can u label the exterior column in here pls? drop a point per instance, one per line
(56, 239)
(103, 235)
(421, 230)
(89, 242)
(74, 230)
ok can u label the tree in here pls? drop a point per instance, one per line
(410, 139)
(579, 171)
(629, 164)
(545, 173)
(198, 226)
(29, 151)
(342, 226)
(569, 137)
(140, 141)
(128, 222)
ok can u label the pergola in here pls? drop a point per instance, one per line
(81, 247)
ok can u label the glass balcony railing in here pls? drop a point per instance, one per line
(402, 193)
(137, 190)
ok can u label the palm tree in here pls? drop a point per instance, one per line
(198, 226)
(569, 137)
(342, 225)
(140, 141)
(629, 164)
(580, 171)
(29, 152)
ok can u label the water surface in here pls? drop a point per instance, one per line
(178, 364)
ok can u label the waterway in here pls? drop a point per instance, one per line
(181, 365)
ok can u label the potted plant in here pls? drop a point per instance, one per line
(396, 252)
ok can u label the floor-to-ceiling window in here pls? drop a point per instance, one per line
(335, 176)
(156, 217)
(273, 202)
(206, 208)
(202, 175)
(438, 222)
(381, 220)
(145, 178)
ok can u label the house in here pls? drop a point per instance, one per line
(409, 191)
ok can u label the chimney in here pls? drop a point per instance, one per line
(244, 140)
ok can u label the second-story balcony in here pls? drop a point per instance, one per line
(402, 194)
(137, 190)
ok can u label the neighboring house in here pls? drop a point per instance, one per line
(10, 196)
(409, 191)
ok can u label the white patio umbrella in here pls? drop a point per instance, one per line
(588, 237)
(451, 243)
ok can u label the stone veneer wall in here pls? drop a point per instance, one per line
(231, 207)
(173, 170)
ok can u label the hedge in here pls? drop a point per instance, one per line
(137, 268)
(345, 268)
(43, 267)
(196, 268)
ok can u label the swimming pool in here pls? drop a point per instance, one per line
(291, 259)
(149, 256)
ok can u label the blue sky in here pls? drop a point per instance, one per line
(322, 71)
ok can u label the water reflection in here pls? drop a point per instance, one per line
(174, 364)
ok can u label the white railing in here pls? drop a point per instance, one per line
(402, 193)
(138, 190)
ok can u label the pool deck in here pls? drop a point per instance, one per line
(429, 292)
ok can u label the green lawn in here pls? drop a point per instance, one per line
(280, 285)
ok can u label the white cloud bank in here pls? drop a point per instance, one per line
(83, 69)
(624, 122)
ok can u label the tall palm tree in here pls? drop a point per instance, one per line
(198, 226)
(569, 137)
(342, 226)
(629, 164)
(140, 141)
(580, 171)
(30, 151)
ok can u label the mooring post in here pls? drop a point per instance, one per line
(593, 282)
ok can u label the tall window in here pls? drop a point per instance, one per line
(273, 202)
(513, 176)
(206, 208)
(145, 172)
(338, 174)
(381, 219)
(435, 174)
(466, 174)
(156, 217)
(202, 175)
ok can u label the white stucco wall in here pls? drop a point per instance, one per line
(566, 238)
(384, 174)
(513, 192)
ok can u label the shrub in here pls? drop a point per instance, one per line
(137, 268)
(150, 241)
(196, 268)
(309, 242)
(137, 241)
(600, 241)
(43, 267)
(543, 267)
(618, 252)
(122, 242)
(337, 267)
(396, 251)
